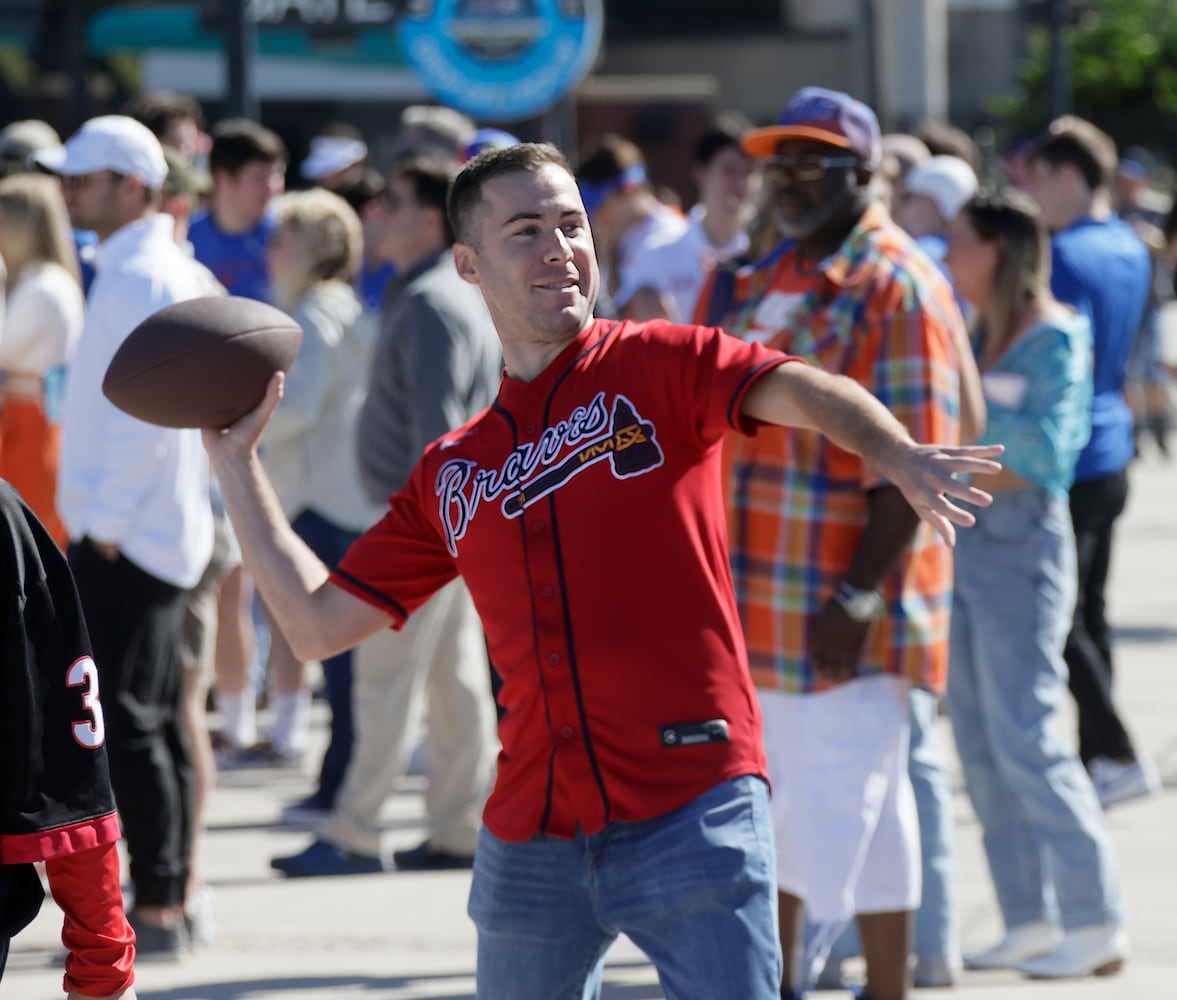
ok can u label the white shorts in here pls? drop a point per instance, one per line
(847, 833)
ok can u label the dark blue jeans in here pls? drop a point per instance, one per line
(330, 542)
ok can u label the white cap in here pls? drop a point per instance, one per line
(947, 180)
(331, 154)
(109, 142)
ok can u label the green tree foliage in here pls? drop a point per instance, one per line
(1123, 56)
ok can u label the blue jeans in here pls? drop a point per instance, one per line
(330, 543)
(694, 889)
(1048, 848)
(936, 927)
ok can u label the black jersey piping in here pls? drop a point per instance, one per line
(547, 812)
(382, 598)
(754, 373)
(573, 665)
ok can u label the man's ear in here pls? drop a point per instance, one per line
(466, 261)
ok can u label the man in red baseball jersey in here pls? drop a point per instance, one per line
(584, 511)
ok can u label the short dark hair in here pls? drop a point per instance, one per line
(1075, 142)
(161, 109)
(726, 132)
(364, 190)
(430, 178)
(466, 190)
(238, 141)
(610, 158)
(943, 139)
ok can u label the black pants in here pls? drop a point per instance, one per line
(1095, 506)
(134, 621)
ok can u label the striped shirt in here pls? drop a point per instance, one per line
(879, 311)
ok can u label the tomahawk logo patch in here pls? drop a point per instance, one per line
(616, 437)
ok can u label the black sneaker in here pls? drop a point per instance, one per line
(425, 857)
(324, 859)
(158, 944)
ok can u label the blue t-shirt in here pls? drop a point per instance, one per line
(373, 282)
(1103, 270)
(86, 244)
(238, 262)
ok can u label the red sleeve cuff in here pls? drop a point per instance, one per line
(26, 848)
(96, 933)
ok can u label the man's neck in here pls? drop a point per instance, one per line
(817, 246)
(227, 222)
(105, 234)
(526, 360)
(720, 226)
(407, 263)
(1097, 206)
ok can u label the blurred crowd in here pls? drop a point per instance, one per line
(1017, 302)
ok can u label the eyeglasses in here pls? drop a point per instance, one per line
(78, 181)
(808, 168)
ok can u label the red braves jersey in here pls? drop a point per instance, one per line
(585, 514)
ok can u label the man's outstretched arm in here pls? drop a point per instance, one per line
(797, 395)
(317, 618)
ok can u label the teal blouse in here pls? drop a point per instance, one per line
(1038, 398)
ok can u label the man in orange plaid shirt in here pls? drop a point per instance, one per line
(844, 597)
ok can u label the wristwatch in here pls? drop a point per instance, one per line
(859, 605)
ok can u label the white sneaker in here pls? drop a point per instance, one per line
(200, 917)
(1020, 944)
(1118, 781)
(1100, 950)
(933, 972)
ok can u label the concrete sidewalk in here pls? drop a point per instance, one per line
(400, 936)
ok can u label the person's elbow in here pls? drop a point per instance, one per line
(310, 646)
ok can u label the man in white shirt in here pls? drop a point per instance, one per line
(627, 218)
(134, 498)
(669, 275)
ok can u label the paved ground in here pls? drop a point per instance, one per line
(394, 936)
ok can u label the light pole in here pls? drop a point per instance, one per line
(240, 46)
(1060, 58)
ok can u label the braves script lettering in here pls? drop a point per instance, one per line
(535, 469)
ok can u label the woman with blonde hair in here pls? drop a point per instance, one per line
(39, 327)
(1050, 854)
(309, 446)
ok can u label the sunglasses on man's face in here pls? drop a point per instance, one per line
(808, 168)
(78, 181)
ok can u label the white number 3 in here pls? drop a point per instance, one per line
(84, 674)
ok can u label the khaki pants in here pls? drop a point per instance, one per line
(440, 655)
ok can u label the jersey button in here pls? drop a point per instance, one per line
(539, 527)
(530, 429)
(554, 659)
(546, 590)
(566, 732)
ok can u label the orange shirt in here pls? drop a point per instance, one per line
(878, 311)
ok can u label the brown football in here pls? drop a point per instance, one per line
(201, 363)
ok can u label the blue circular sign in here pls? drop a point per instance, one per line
(501, 59)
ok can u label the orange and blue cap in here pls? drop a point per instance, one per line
(825, 116)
